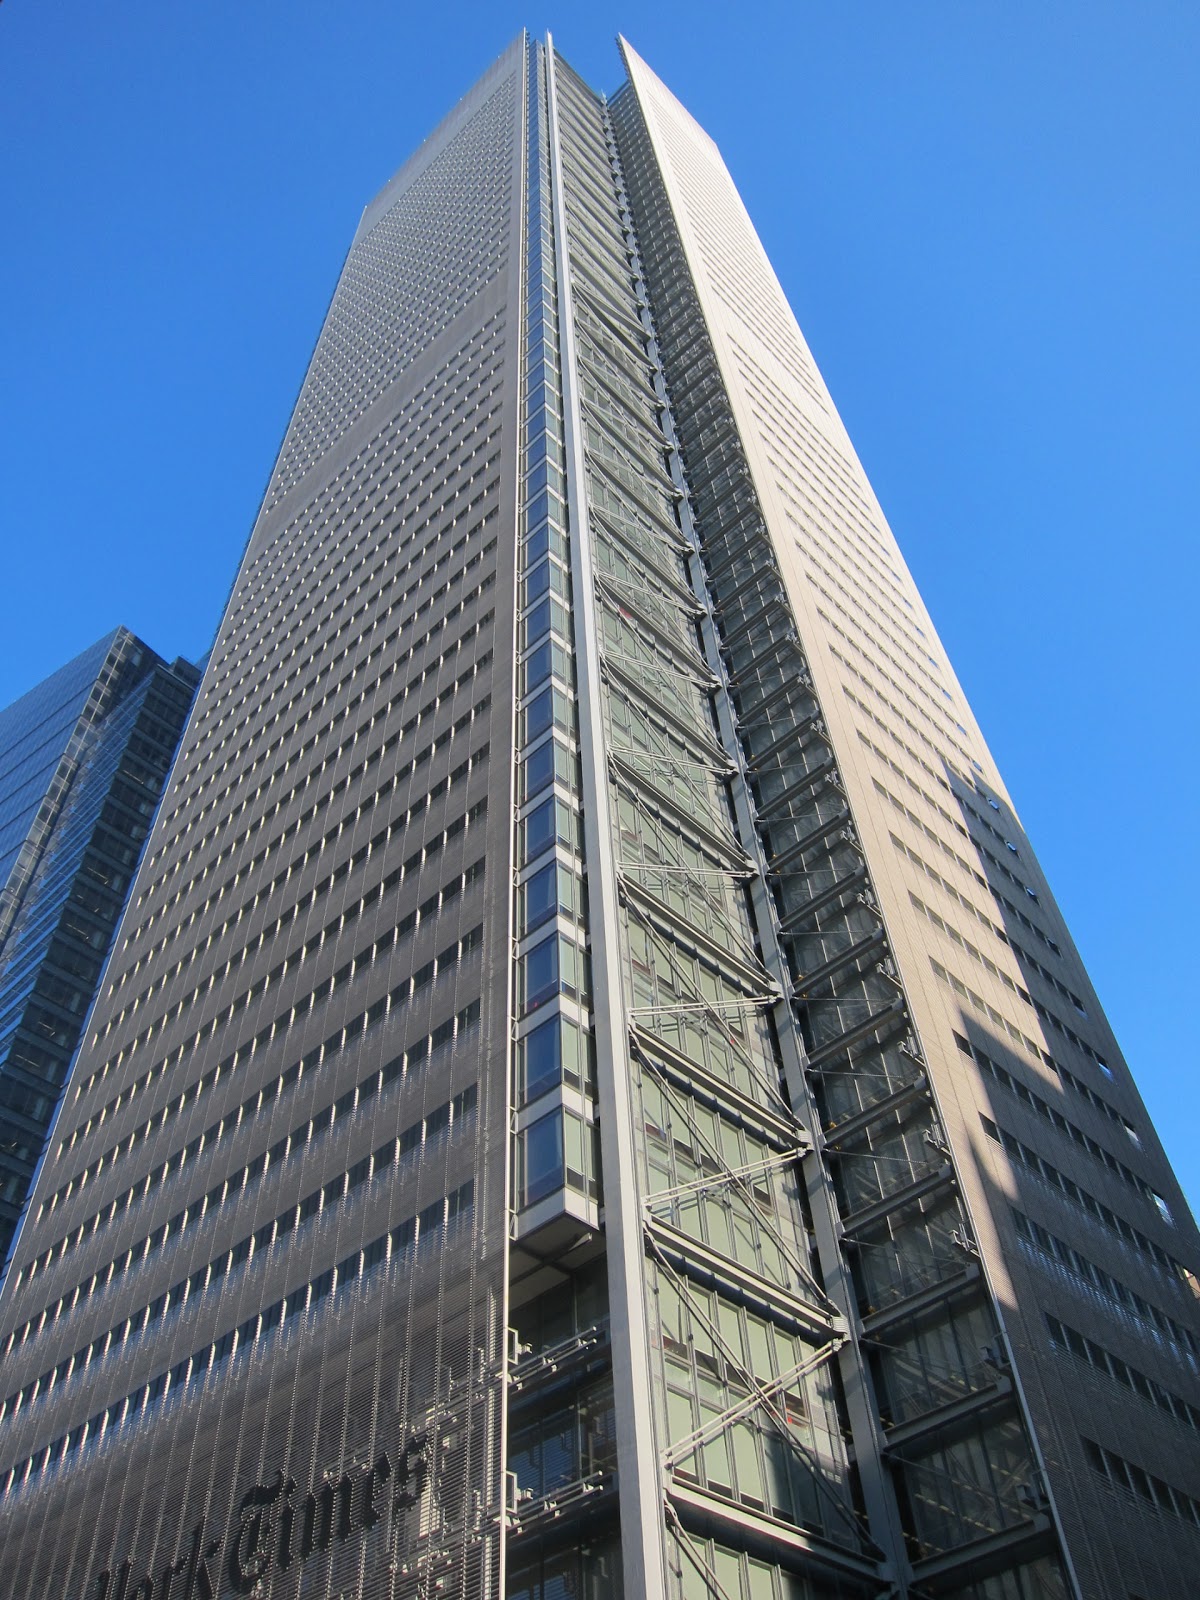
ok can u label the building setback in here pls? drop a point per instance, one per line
(84, 757)
(593, 1093)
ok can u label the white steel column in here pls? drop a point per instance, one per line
(643, 1545)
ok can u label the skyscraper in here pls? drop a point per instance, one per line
(83, 760)
(592, 1089)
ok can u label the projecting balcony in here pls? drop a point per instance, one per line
(582, 1500)
(773, 612)
(972, 1521)
(734, 586)
(759, 717)
(549, 1224)
(823, 775)
(998, 1552)
(770, 1125)
(562, 1458)
(945, 1420)
(881, 1023)
(798, 731)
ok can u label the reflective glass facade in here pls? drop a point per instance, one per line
(593, 1094)
(84, 757)
(35, 735)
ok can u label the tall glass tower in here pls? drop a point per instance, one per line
(84, 757)
(593, 1094)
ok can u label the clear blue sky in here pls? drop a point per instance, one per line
(984, 212)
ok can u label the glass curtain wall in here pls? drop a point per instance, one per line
(958, 1459)
(745, 1417)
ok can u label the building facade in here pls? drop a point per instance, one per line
(593, 1093)
(84, 758)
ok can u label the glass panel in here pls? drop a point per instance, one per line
(540, 1060)
(541, 1159)
(539, 827)
(539, 973)
(539, 897)
(538, 770)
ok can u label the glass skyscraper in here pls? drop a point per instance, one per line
(84, 757)
(592, 1093)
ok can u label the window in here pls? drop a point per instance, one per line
(540, 1159)
(538, 665)
(551, 890)
(556, 1051)
(539, 897)
(539, 769)
(552, 821)
(539, 973)
(538, 715)
(548, 657)
(539, 1060)
(578, 1164)
(548, 614)
(552, 967)
(546, 764)
(542, 541)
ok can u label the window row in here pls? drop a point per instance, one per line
(913, 670)
(436, 967)
(265, 686)
(350, 507)
(398, 775)
(280, 708)
(986, 1009)
(426, 1133)
(1044, 1109)
(1101, 1213)
(940, 731)
(1112, 1366)
(384, 1007)
(313, 707)
(1115, 1295)
(418, 1236)
(305, 1003)
(477, 810)
(428, 418)
(272, 850)
(1123, 1474)
(303, 908)
(972, 950)
(935, 877)
(401, 1067)
(313, 771)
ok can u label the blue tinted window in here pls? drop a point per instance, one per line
(539, 768)
(540, 896)
(542, 1166)
(539, 828)
(539, 714)
(539, 665)
(541, 973)
(541, 1059)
